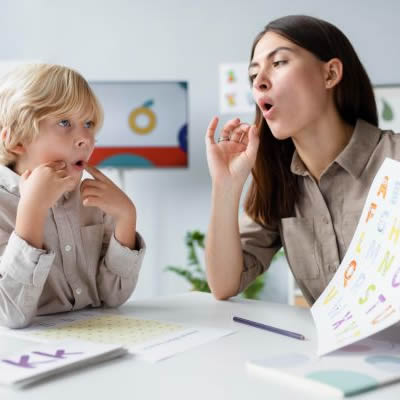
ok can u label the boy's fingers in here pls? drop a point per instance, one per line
(96, 173)
(91, 201)
(91, 191)
(61, 173)
(56, 165)
(95, 183)
(26, 174)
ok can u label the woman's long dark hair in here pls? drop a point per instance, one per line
(274, 190)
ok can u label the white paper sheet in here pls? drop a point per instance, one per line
(150, 340)
(38, 361)
(364, 295)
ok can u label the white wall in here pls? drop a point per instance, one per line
(184, 40)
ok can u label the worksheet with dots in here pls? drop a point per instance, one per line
(111, 329)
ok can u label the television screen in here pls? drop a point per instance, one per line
(145, 124)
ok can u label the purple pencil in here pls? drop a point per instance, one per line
(269, 328)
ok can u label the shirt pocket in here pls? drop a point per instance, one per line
(300, 245)
(349, 224)
(92, 240)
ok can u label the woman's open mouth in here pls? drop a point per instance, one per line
(267, 106)
(267, 109)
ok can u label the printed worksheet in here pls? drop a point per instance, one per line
(363, 297)
(150, 340)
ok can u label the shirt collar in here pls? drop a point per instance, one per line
(358, 151)
(354, 156)
(297, 166)
(9, 180)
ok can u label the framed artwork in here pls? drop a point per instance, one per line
(235, 95)
(388, 104)
(145, 124)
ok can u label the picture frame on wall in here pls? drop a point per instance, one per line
(388, 104)
(145, 124)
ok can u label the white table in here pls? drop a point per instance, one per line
(212, 371)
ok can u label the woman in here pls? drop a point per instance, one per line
(313, 152)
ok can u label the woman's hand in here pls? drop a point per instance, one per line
(231, 159)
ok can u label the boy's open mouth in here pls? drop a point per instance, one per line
(79, 163)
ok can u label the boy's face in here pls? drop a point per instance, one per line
(70, 140)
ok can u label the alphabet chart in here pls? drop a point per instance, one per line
(363, 297)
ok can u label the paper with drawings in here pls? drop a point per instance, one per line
(148, 339)
(364, 295)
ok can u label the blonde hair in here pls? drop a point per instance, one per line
(32, 92)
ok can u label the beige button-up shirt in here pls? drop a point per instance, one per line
(82, 264)
(316, 237)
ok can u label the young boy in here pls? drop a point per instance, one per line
(63, 245)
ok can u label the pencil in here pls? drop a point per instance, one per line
(269, 328)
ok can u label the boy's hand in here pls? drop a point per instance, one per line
(39, 190)
(101, 192)
(43, 186)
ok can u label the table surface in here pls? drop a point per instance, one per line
(211, 371)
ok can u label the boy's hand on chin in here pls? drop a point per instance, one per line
(101, 192)
(45, 184)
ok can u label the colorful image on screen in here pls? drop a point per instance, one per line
(145, 124)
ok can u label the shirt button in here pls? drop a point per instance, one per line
(332, 268)
(78, 291)
(68, 247)
(326, 220)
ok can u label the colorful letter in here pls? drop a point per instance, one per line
(340, 322)
(332, 293)
(347, 276)
(24, 362)
(385, 264)
(358, 248)
(370, 288)
(373, 250)
(395, 194)
(383, 221)
(395, 231)
(59, 354)
(383, 187)
(381, 299)
(370, 212)
(396, 278)
(389, 310)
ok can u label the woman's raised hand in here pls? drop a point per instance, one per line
(232, 157)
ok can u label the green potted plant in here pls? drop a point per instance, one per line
(195, 274)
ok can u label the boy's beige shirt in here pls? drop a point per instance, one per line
(82, 264)
(316, 237)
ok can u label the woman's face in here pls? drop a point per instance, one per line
(289, 86)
